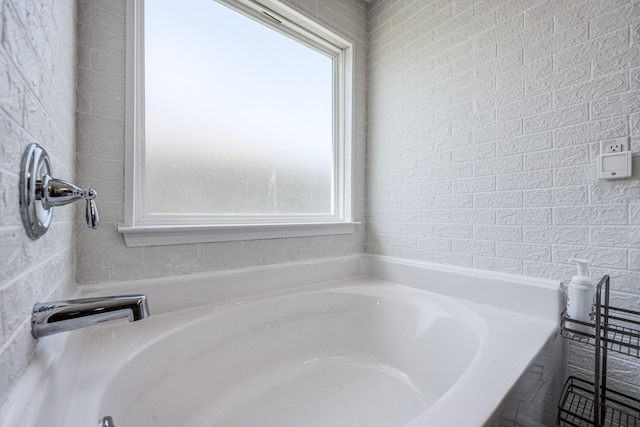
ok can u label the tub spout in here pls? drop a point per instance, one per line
(60, 316)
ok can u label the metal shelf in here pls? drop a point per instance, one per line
(620, 333)
(592, 404)
(576, 408)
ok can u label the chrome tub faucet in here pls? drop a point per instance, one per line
(60, 316)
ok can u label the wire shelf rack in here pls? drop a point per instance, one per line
(592, 404)
(620, 331)
(577, 405)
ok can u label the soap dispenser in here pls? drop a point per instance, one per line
(581, 298)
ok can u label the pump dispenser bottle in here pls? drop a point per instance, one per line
(581, 298)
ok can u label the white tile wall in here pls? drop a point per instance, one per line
(37, 104)
(102, 255)
(484, 118)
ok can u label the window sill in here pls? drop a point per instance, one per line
(160, 235)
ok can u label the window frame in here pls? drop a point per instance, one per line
(142, 229)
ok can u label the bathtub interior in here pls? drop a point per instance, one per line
(352, 356)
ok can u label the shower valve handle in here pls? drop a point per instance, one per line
(57, 192)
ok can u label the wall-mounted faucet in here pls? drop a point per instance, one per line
(60, 316)
(40, 193)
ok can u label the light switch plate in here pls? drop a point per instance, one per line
(614, 165)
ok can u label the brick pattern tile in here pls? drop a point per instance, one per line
(37, 104)
(484, 119)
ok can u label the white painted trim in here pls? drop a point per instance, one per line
(130, 112)
(172, 293)
(157, 235)
(142, 229)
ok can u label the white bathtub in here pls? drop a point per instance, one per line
(353, 352)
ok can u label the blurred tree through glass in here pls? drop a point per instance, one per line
(238, 117)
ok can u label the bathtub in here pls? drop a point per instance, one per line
(359, 351)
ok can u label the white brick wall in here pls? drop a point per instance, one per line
(37, 104)
(102, 255)
(489, 113)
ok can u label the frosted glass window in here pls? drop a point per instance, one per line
(238, 117)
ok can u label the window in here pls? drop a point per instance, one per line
(238, 123)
